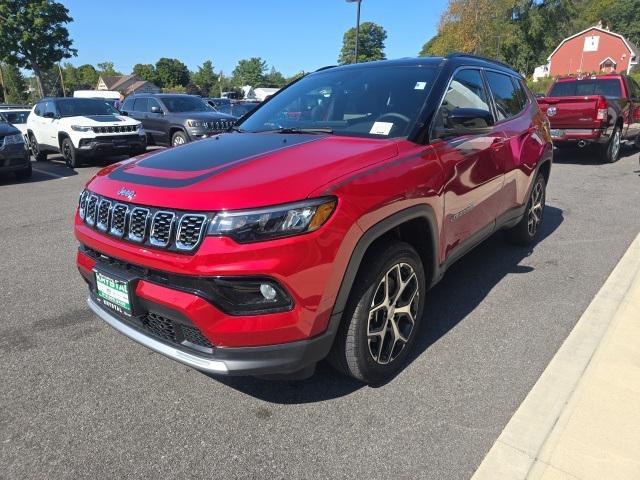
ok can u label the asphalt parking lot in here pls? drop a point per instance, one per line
(79, 400)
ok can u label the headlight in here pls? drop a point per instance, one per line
(246, 226)
(13, 139)
(197, 123)
(80, 128)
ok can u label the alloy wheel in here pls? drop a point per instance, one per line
(393, 311)
(66, 152)
(535, 208)
(615, 148)
(178, 140)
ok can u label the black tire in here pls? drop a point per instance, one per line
(526, 231)
(610, 152)
(37, 153)
(376, 358)
(69, 153)
(24, 173)
(637, 142)
(179, 138)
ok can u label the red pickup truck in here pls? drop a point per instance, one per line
(599, 109)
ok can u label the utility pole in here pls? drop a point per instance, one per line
(64, 92)
(4, 91)
(357, 26)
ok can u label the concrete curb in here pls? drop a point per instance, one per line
(523, 448)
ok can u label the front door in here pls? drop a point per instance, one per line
(470, 154)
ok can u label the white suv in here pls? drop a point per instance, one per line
(82, 127)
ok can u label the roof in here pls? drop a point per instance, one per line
(112, 83)
(632, 48)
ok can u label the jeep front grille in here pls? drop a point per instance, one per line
(154, 227)
(116, 129)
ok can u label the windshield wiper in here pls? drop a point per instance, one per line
(317, 130)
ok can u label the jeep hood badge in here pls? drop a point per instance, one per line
(128, 193)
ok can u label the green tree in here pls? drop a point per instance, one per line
(171, 72)
(294, 77)
(205, 78)
(33, 35)
(15, 86)
(275, 79)
(370, 44)
(107, 68)
(84, 77)
(623, 17)
(250, 72)
(145, 71)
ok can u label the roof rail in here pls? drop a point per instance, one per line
(326, 68)
(479, 57)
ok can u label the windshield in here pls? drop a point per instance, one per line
(373, 102)
(185, 104)
(605, 87)
(82, 107)
(16, 117)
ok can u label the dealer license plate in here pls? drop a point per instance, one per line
(113, 293)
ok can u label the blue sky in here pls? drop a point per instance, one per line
(290, 35)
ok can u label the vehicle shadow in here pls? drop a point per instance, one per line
(461, 290)
(588, 155)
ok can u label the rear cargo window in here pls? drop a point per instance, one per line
(578, 88)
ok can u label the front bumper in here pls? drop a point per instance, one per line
(13, 157)
(112, 145)
(267, 360)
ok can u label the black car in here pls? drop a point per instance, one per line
(14, 157)
(238, 109)
(174, 119)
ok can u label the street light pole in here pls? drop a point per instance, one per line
(357, 26)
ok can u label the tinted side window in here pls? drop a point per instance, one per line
(508, 102)
(141, 105)
(466, 91)
(153, 103)
(520, 93)
(39, 110)
(49, 107)
(128, 104)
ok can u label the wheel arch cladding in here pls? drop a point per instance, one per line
(416, 226)
(61, 137)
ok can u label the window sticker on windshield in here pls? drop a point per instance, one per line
(381, 128)
(420, 86)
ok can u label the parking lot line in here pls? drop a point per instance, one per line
(585, 396)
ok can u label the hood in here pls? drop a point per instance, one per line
(7, 129)
(205, 116)
(103, 120)
(240, 170)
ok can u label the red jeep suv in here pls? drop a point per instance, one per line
(316, 227)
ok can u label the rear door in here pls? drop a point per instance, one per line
(634, 117)
(473, 172)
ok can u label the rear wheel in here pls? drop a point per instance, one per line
(527, 229)
(70, 154)
(36, 151)
(610, 152)
(383, 314)
(179, 138)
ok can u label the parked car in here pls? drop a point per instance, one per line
(175, 119)
(14, 156)
(16, 117)
(266, 249)
(217, 102)
(601, 109)
(237, 109)
(80, 128)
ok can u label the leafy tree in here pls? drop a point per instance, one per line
(275, 79)
(145, 71)
(250, 72)
(429, 47)
(171, 72)
(294, 77)
(33, 35)
(107, 68)
(84, 77)
(623, 17)
(205, 78)
(370, 44)
(14, 87)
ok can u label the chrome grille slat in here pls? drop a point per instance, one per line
(161, 228)
(119, 219)
(84, 196)
(190, 229)
(91, 210)
(103, 215)
(138, 221)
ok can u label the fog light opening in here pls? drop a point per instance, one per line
(268, 292)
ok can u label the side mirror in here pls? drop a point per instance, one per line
(126, 114)
(156, 110)
(471, 119)
(49, 115)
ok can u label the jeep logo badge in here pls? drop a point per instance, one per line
(125, 192)
(551, 111)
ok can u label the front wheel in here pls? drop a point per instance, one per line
(36, 151)
(179, 138)
(70, 154)
(610, 152)
(383, 314)
(527, 229)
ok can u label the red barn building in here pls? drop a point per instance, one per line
(595, 49)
